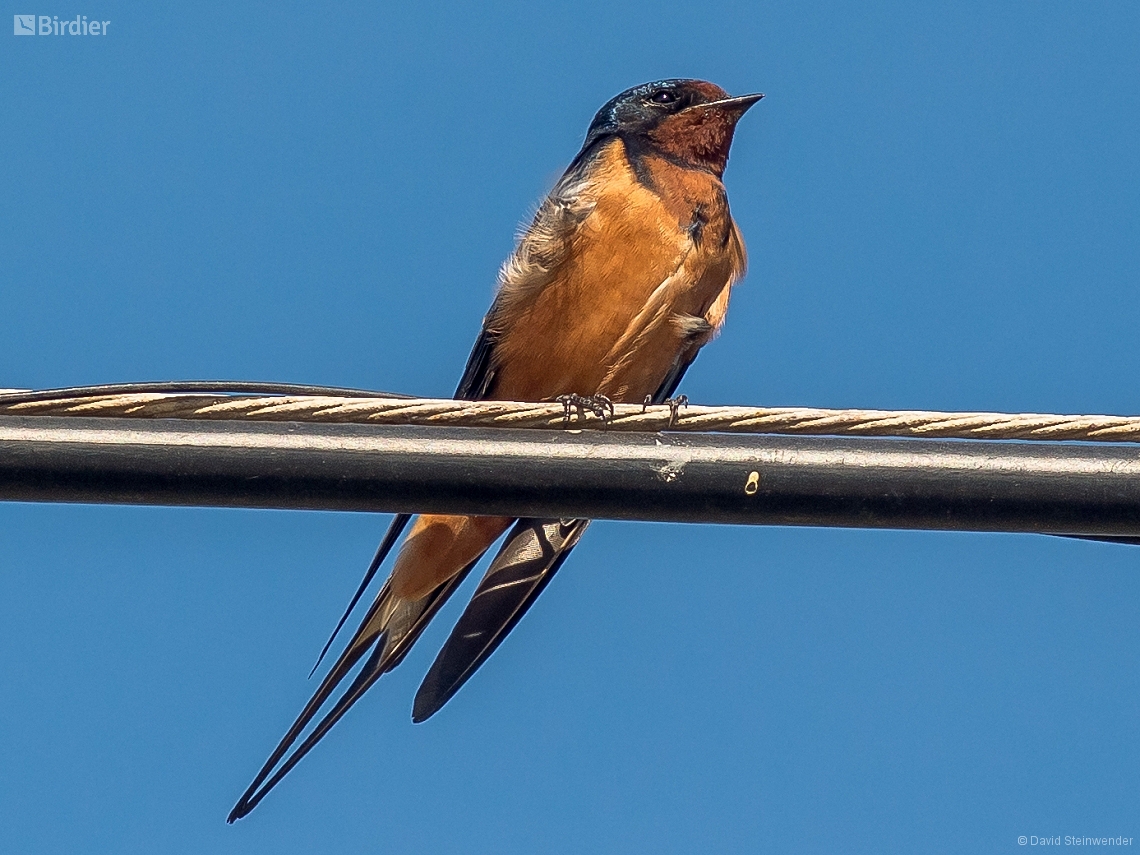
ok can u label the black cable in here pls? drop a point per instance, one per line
(204, 387)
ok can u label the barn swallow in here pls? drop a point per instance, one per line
(620, 279)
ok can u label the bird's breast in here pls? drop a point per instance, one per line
(668, 228)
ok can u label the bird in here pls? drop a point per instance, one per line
(622, 276)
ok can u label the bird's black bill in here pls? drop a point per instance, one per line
(738, 104)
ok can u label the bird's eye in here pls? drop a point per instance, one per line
(663, 96)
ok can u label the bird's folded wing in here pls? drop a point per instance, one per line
(527, 561)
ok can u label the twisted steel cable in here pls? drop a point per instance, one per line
(294, 403)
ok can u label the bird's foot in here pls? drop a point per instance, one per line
(599, 405)
(675, 404)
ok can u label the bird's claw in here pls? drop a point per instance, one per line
(599, 405)
(675, 404)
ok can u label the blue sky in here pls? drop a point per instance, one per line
(941, 210)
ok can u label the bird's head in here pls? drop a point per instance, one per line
(690, 120)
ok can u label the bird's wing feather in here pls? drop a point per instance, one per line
(479, 372)
(527, 561)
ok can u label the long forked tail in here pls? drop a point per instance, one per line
(529, 558)
(397, 526)
(389, 629)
